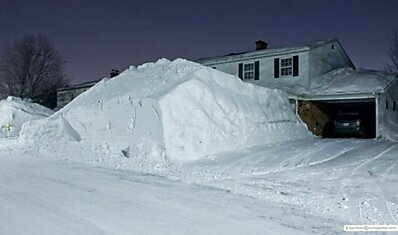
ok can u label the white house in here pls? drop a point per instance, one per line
(67, 94)
(320, 72)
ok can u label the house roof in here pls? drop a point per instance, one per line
(338, 82)
(80, 85)
(270, 51)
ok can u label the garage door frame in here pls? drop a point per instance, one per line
(372, 96)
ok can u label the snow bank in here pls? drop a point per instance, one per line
(176, 109)
(16, 111)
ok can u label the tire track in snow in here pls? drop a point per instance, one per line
(387, 172)
(371, 160)
(377, 208)
(358, 208)
(388, 204)
(390, 212)
(331, 157)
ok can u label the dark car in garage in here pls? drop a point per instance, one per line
(349, 124)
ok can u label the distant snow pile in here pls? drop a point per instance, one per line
(176, 109)
(16, 111)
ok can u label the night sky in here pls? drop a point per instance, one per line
(96, 36)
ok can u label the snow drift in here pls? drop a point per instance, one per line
(16, 111)
(177, 109)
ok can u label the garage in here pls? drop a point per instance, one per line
(340, 118)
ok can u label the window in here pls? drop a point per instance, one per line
(248, 71)
(386, 104)
(393, 105)
(286, 67)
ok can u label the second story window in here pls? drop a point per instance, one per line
(248, 71)
(286, 67)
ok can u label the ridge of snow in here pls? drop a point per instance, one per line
(173, 109)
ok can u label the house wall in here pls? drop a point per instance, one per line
(326, 58)
(267, 67)
(66, 96)
(388, 116)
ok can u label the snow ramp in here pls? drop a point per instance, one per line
(179, 109)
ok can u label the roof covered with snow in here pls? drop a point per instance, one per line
(79, 85)
(338, 82)
(270, 51)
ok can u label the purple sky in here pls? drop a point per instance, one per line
(96, 36)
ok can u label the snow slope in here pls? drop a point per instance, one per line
(337, 82)
(15, 111)
(172, 109)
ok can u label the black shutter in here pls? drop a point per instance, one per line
(256, 70)
(276, 68)
(295, 65)
(240, 71)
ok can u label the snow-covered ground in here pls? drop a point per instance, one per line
(300, 187)
(174, 147)
(348, 181)
(42, 196)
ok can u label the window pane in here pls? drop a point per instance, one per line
(286, 62)
(286, 71)
(249, 75)
(249, 66)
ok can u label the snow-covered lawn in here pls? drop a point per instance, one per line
(307, 186)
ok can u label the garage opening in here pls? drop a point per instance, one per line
(340, 118)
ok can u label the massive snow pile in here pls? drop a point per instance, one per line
(178, 109)
(15, 111)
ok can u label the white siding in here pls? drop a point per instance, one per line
(267, 67)
(388, 118)
(326, 58)
(66, 96)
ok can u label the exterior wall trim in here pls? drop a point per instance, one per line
(243, 57)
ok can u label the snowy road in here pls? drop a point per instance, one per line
(303, 187)
(39, 196)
